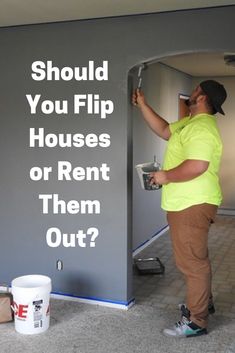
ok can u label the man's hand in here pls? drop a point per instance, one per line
(138, 98)
(159, 178)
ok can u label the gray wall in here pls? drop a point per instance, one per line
(103, 271)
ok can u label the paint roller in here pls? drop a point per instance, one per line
(141, 68)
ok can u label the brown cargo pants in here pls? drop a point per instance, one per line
(189, 234)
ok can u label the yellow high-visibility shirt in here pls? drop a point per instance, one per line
(193, 138)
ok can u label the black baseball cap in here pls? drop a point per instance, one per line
(216, 94)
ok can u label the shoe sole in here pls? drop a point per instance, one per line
(201, 333)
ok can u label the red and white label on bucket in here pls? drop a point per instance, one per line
(21, 311)
(37, 313)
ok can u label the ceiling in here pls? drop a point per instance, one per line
(21, 12)
(201, 64)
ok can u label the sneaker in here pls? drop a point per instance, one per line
(211, 308)
(186, 312)
(185, 328)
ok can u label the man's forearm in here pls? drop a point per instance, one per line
(159, 125)
(186, 171)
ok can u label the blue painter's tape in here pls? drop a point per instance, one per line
(126, 303)
(154, 235)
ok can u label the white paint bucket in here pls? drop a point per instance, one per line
(144, 171)
(31, 296)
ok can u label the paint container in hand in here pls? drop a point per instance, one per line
(144, 171)
(31, 296)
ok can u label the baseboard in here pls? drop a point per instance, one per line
(94, 301)
(101, 302)
(159, 233)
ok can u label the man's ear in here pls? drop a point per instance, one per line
(202, 98)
